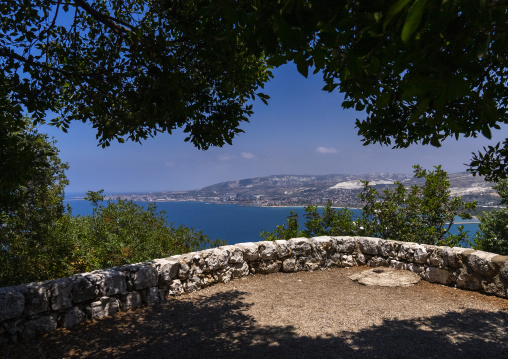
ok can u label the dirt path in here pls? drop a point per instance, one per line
(300, 315)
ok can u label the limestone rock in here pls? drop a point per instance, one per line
(216, 259)
(345, 244)
(387, 249)
(265, 267)
(368, 245)
(467, 280)
(85, 287)
(239, 269)
(184, 269)
(361, 259)
(193, 284)
(176, 287)
(145, 277)
(236, 255)
(131, 300)
(312, 264)
(437, 275)
(114, 282)
(300, 246)
(168, 269)
(396, 264)
(151, 295)
(413, 267)
(386, 277)
(420, 254)
(504, 270)
(224, 275)
(347, 261)
(324, 244)
(12, 303)
(39, 325)
(250, 251)
(36, 297)
(453, 256)
(72, 317)
(481, 263)
(289, 265)
(437, 258)
(61, 294)
(283, 250)
(104, 307)
(378, 262)
(406, 252)
(267, 250)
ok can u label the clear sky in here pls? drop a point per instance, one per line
(303, 130)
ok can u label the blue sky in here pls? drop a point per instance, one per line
(303, 130)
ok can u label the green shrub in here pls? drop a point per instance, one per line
(32, 182)
(493, 229)
(123, 232)
(119, 233)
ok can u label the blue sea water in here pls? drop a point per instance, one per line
(231, 222)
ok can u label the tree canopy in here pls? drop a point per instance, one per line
(422, 70)
(29, 212)
(132, 68)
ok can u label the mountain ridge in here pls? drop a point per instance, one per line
(341, 189)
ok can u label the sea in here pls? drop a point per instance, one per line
(231, 222)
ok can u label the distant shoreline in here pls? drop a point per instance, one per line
(474, 219)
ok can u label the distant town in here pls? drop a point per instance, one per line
(303, 190)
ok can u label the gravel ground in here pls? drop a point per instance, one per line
(319, 314)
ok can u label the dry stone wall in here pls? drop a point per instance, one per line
(31, 309)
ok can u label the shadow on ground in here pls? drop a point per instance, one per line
(219, 327)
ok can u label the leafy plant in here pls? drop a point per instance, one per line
(31, 207)
(493, 229)
(331, 222)
(123, 232)
(288, 230)
(420, 214)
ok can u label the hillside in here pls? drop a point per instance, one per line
(342, 189)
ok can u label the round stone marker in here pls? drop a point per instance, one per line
(386, 277)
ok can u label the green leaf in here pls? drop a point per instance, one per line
(434, 141)
(394, 10)
(302, 67)
(486, 131)
(413, 19)
(422, 107)
(276, 60)
(383, 100)
(229, 13)
(319, 59)
(330, 88)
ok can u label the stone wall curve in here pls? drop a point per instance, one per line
(31, 309)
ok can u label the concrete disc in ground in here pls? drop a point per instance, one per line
(386, 277)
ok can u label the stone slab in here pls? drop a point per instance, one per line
(386, 277)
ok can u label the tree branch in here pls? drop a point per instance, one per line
(114, 24)
(5, 52)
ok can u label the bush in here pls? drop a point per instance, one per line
(493, 229)
(32, 182)
(119, 233)
(123, 232)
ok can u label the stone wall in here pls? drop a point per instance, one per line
(31, 309)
